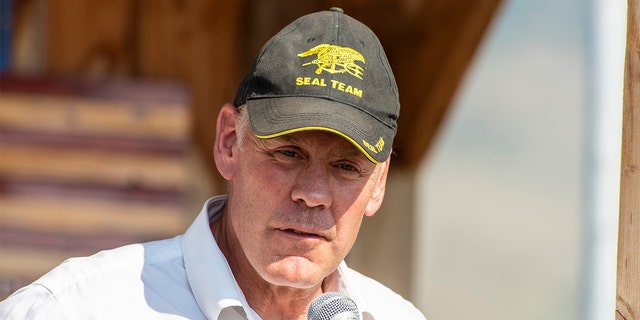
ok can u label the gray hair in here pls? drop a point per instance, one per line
(242, 126)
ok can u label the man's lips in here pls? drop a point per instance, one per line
(301, 232)
(307, 233)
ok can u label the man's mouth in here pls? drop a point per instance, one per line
(301, 232)
(304, 234)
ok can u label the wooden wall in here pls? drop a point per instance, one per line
(107, 120)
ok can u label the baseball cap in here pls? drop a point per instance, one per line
(324, 71)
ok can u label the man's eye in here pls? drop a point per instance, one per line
(288, 153)
(347, 166)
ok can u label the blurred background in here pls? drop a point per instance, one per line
(502, 202)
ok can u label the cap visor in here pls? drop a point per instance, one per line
(273, 117)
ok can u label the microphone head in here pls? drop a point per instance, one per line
(333, 306)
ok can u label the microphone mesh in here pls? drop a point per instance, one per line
(330, 304)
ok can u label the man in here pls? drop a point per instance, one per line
(305, 149)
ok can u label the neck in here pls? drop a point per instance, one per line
(268, 300)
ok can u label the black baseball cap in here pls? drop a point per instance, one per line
(324, 71)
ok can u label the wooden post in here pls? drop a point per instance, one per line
(628, 283)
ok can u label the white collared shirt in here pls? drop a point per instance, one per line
(185, 277)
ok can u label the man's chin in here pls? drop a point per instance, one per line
(295, 272)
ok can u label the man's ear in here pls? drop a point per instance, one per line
(225, 148)
(378, 191)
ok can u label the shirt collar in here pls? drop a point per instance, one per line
(211, 279)
(208, 272)
(340, 281)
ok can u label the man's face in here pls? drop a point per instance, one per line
(296, 203)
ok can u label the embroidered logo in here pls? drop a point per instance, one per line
(374, 148)
(335, 59)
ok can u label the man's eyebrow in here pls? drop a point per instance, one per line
(353, 153)
(288, 138)
(276, 140)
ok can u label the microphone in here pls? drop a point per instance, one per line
(333, 306)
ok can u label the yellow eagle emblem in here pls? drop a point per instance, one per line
(335, 59)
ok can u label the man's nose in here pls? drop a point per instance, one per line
(313, 186)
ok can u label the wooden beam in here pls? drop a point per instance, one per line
(430, 60)
(628, 282)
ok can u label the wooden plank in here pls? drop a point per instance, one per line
(93, 167)
(628, 282)
(83, 116)
(87, 216)
(142, 91)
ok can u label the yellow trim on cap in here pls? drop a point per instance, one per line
(269, 136)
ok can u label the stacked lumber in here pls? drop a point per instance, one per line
(86, 166)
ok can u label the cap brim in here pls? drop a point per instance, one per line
(273, 117)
